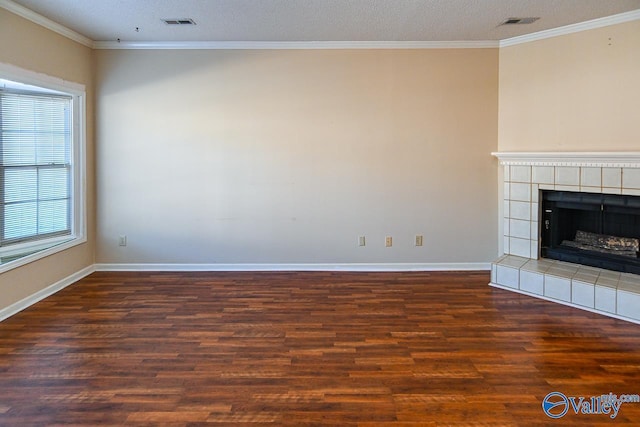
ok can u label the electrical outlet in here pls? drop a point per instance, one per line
(388, 241)
(418, 239)
(122, 240)
(361, 241)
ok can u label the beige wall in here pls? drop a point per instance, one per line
(34, 48)
(577, 92)
(286, 156)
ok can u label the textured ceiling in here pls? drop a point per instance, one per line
(318, 20)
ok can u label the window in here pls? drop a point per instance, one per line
(41, 167)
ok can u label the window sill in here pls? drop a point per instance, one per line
(36, 251)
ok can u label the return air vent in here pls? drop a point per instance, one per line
(181, 21)
(519, 21)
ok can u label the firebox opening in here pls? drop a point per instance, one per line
(599, 230)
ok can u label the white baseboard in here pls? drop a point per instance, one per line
(43, 293)
(365, 267)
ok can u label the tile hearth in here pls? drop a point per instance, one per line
(522, 270)
(594, 289)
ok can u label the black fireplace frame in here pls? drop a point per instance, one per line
(562, 213)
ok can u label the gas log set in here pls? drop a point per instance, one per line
(623, 246)
(600, 230)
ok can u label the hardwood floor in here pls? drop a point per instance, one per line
(307, 348)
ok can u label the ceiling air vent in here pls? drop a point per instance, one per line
(519, 21)
(181, 21)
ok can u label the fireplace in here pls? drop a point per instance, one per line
(570, 229)
(599, 230)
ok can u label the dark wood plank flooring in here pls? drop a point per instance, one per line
(307, 348)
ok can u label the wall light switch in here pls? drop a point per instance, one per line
(122, 240)
(418, 240)
(361, 241)
(388, 241)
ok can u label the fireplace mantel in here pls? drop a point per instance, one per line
(619, 159)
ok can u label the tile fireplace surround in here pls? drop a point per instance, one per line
(522, 270)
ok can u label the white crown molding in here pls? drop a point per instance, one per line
(355, 267)
(573, 28)
(274, 45)
(44, 293)
(628, 159)
(45, 22)
(237, 45)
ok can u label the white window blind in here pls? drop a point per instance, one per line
(35, 166)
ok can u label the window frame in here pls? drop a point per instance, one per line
(29, 251)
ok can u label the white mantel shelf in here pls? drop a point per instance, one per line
(620, 159)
